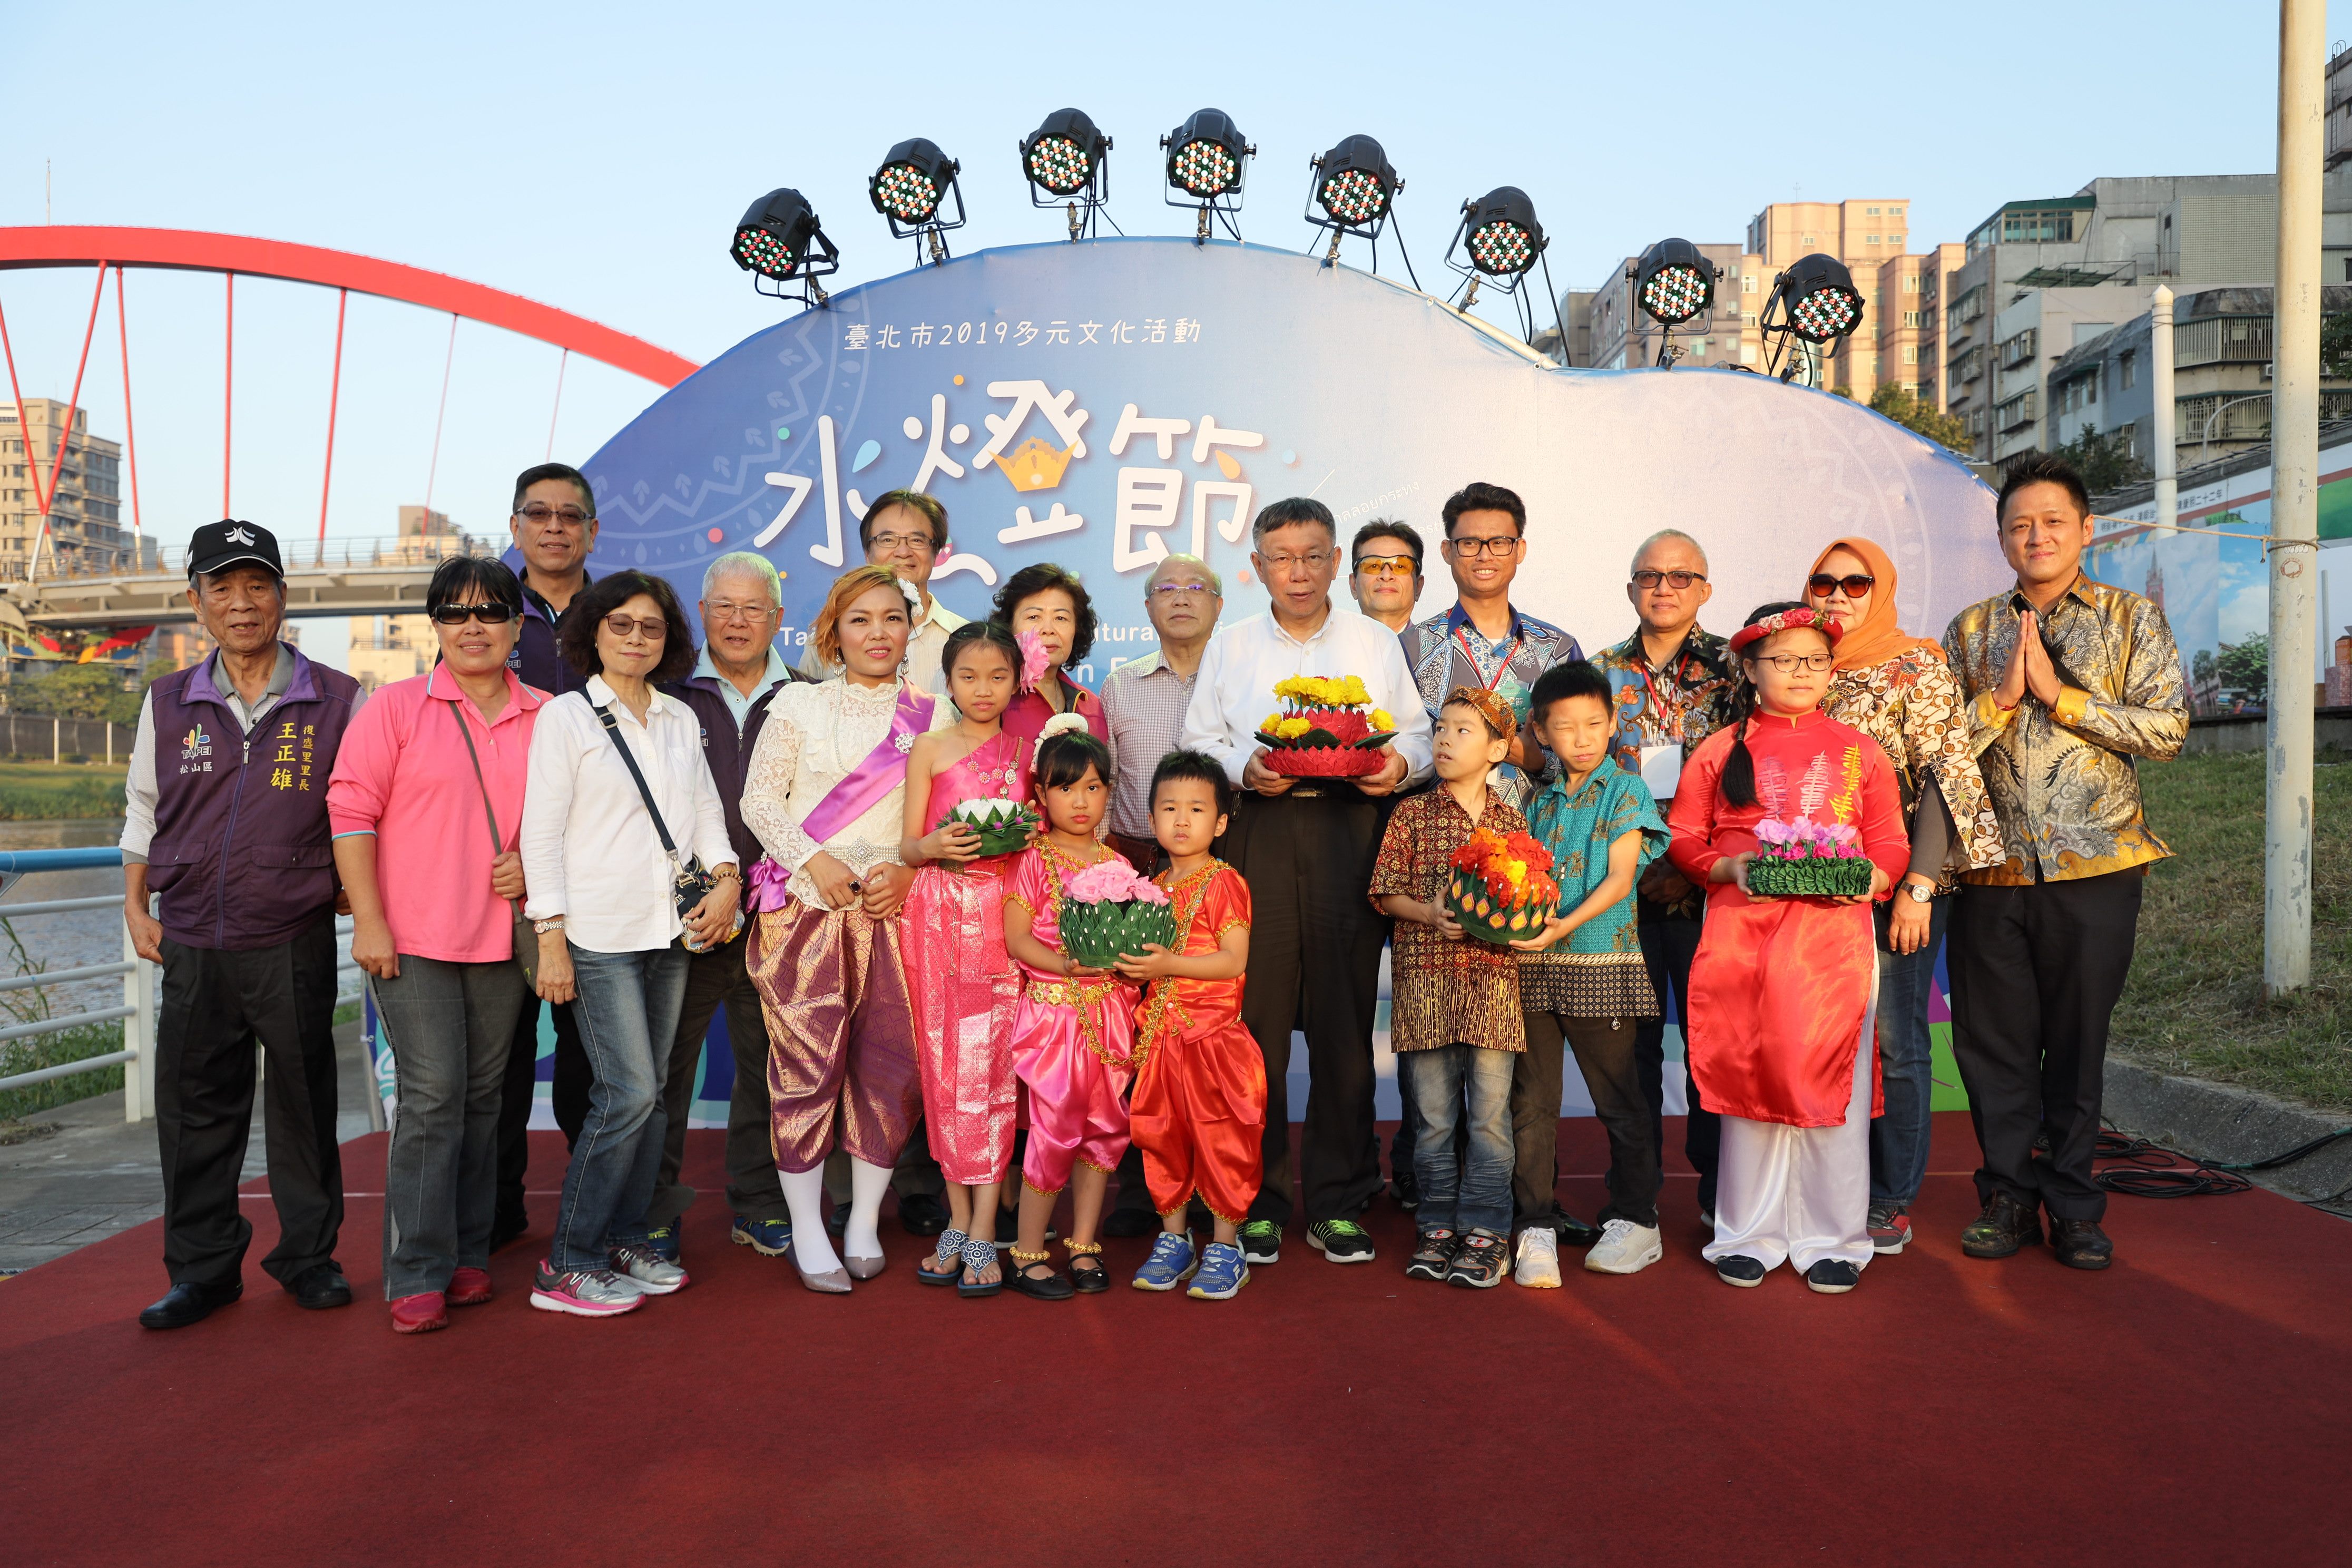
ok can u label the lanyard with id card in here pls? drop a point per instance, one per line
(1661, 766)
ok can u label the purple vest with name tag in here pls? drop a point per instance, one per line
(242, 856)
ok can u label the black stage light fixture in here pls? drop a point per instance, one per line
(1673, 283)
(1818, 304)
(780, 238)
(1355, 186)
(1498, 241)
(1067, 161)
(911, 189)
(1207, 166)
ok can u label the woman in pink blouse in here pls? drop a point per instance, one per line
(425, 801)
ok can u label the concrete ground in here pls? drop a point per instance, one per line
(96, 1173)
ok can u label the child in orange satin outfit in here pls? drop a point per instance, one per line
(1199, 1108)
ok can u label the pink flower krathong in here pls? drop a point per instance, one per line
(1806, 839)
(1113, 881)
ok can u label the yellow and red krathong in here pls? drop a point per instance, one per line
(1327, 728)
(1501, 889)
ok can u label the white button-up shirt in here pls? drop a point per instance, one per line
(590, 853)
(1244, 662)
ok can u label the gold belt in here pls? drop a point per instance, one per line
(1069, 992)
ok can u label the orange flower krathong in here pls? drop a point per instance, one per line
(1516, 868)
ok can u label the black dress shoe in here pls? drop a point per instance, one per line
(505, 1229)
(2081, 1243)
(1572, 1231)
(1129, 1223)
(2005, 1226)
(919, 1213)
(321, 1285)
(186, 1303)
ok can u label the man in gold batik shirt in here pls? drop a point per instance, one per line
(2069, 681)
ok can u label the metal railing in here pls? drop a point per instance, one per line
(334, 554)
(137, 1013)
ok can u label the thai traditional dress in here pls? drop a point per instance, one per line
(830, 773)
(1199, 1109)
(1073, 1040)
(962, 982)
(1781, 993)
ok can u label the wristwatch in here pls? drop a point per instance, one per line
(543, 927)
(1919, 895)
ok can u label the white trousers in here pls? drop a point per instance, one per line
(1799, 1194)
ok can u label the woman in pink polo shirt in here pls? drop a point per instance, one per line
(426, 802)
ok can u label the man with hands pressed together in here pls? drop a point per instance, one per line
(2069, 681)
(1306, 849)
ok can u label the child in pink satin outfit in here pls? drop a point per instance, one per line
(960, 982)
(1074, 1029)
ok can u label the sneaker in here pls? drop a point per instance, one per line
(1625, 1247)
(663, 1240)
(2005, 1226)
(768, 1237)
(1223, 1272)
(1537, 1267)
(1479, 1262)
(1890, 1228)
(2081, 1243)
(1261, 1241)
(1433, 1255)
(583, 1293)
(1832, 1277)
(1739, 1269)
(1172, 1262)
(652, 1274)
(1340, 1241)
(1408, 1192)
(1706, 1217)
(470, 1288)
(420, 1314)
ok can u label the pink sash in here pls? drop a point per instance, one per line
(884, 770)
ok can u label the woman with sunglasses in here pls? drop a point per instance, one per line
(428, 765)
(1893, 687)
(619, 809)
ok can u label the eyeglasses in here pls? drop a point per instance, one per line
(725, 614)
(1786, 662)
(1388, 565)
(1313, 561)
(1167, 591)
(538, 515)
(492, 614)
(1646, 578)
(621, 626)
(1472, 548)
(1855, 586)
(887, 543)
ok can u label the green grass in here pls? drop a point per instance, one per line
(41, 791)
(54, 1050)
(2194, 1003)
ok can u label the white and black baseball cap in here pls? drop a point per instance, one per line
(218, 546)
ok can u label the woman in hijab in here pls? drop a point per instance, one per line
(1893, 687)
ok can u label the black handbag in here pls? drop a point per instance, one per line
(689, 883)
(526, 937)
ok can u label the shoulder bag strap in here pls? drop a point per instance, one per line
(612, 728)
(498, 842)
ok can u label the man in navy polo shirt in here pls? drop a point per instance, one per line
(225, 823)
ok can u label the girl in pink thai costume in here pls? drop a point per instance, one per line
(958, 974)
(1073, 1030)
(826, 795)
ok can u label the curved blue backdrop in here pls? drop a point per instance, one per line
(1105, 403)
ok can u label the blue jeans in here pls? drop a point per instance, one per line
(1898, 1140)
(627, 1011)
(1474, 1188)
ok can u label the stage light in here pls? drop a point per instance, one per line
(1673, 282)
(910, 190)
(1820, 299)
(781, 238)
(1504, 237)
(1067, 160)
(1354, 183)
(1207, 165)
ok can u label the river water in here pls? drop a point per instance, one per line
(81, 937)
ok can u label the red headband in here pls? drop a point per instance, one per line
(1785, 621)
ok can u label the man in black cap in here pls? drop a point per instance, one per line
(225, 823)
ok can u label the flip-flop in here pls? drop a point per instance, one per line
(978, 1255)
(950, 1245)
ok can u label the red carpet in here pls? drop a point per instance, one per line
(2192, 1405)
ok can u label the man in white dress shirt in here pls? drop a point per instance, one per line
(906, 531)
(1307, 848)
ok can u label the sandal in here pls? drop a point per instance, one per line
(950, 1250)
(977, 1255)
(1092, 1280)
(1053, 1287)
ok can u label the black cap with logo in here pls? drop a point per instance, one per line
(218, 546)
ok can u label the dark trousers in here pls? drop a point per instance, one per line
(1605, 1056)
(215, 1007)
(714, 979)
(514, 1094)
(2035, 973)
(1668, 945)
(1314, 965)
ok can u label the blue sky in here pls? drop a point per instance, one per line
(596, 156)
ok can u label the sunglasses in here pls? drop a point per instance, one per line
(1855, 586)
(490, 615)
(652, 631)
(1645, 578)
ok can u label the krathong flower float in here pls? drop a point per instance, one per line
(1327, 729)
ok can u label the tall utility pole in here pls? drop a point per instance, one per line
(2294, 498)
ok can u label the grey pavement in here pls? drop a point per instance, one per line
(97, 1174)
